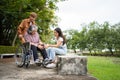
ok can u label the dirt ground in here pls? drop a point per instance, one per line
(9, 71)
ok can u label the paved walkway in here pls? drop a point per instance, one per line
(9, 71)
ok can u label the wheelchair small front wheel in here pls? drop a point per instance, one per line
(27, 61)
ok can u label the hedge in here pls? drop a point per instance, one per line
(7, 49)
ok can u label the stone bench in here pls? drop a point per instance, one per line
(2, 55)
(72, 64)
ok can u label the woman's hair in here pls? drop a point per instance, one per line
(60, 34)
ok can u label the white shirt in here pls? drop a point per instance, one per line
(61, 45)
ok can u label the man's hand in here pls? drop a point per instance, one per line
(41, 46)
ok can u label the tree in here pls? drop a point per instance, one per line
(72, 39)
(13, 11)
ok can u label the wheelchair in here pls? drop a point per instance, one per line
(24, 54)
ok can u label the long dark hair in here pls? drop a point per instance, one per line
(60, 34)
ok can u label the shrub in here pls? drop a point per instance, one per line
(7, 49)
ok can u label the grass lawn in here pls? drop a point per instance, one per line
(104, 68)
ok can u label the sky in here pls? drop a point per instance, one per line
(73, 13)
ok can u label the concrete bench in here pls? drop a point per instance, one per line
(72, 64)
(2, 55)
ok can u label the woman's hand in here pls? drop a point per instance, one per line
(46, 46)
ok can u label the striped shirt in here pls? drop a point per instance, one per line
(32, 38)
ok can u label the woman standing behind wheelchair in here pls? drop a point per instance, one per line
(59, 48)
(27, 32)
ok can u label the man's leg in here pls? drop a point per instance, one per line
(43, 53)
(34, 49)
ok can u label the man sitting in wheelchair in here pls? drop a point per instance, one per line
(36, 44)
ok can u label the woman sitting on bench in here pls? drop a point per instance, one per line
(59, 48)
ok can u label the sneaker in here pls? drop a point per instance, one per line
(37, 61)
(52, 65)
(46, 61)
(31, 61)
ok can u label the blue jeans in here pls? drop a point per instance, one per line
(52, 51)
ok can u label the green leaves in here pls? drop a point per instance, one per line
(13, 11)
(96, 37)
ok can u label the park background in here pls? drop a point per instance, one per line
(91, 27)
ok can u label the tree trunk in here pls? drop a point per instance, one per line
(90, 51)
(74, 51)
(110, 49)
(13, 43)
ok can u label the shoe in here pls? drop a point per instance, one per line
(31, 61)
(46, 61)
(37, 61)
(50, 66)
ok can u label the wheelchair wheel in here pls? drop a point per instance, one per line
(27, 61)
(20, 56)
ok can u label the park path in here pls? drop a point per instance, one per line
(9, 71)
